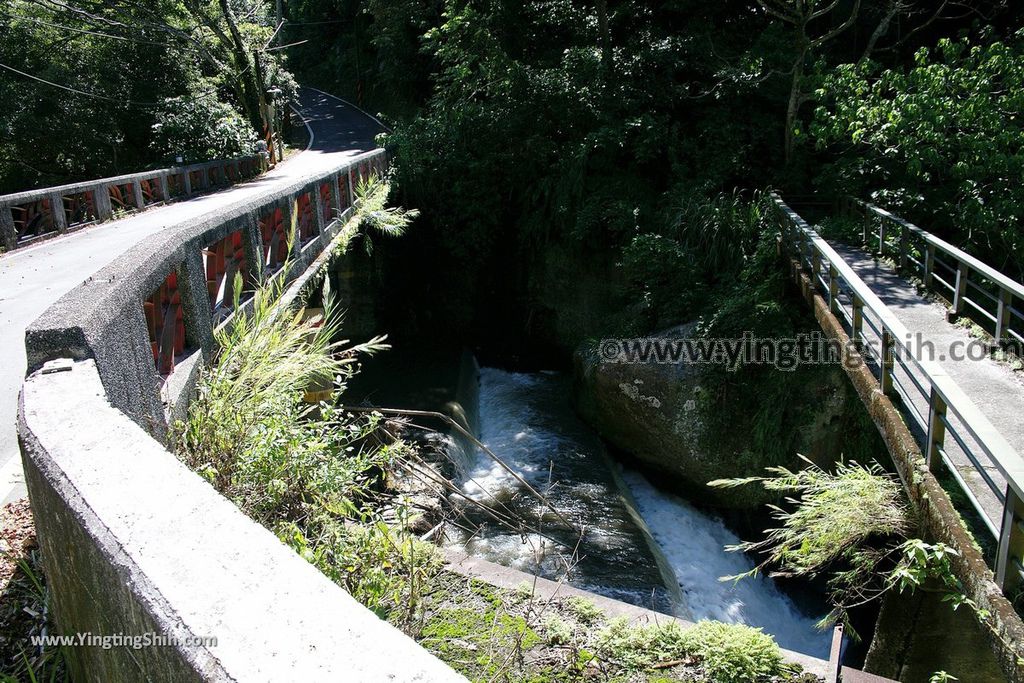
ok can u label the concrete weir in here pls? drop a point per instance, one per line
(137, 546)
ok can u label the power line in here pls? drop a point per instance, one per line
(91, 33)
(86, 93)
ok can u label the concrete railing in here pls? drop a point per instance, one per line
(950, 411)
(26, 217)
(963, 279)
(135, 545)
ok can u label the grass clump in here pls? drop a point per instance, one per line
(494, 635)
(375, 215)
(556, 630)
(585, 611)
(640, 647)
(853, 525)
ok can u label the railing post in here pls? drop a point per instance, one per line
(904, 236)
(1010, 543)
(336, 199)
(60, 219)
(865, 227)
(960, 289)
(186, 182)
(289, 210)
(885, 376)
(1003, 314)
(936, 430)
(252, 243)
(857, 320)
(318, 209)
(8, 233)
(881, 237)
(165, 188)
(101, 200)
(140, 199)
(833, 288)
(815, 266)
(929, 264)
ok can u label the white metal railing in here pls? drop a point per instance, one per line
(950, 412)
(972, 287)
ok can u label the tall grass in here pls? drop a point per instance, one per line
(312, 474)
(373, 214)
(248, 430)
(851, 525)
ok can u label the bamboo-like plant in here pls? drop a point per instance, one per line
(373, 215)
(853, 525)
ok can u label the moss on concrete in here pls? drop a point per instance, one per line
(509, 635)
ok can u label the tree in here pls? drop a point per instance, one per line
(98, 71)
(939, 141)
(801, 15)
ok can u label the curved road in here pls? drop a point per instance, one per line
(33, 278)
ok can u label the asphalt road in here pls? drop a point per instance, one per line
(33, 278)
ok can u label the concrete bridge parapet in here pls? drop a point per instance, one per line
(137, 546)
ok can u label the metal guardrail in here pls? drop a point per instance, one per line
(967, 281)
(950, 411)
(28, 216)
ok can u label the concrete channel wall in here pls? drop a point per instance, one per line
(136, 547)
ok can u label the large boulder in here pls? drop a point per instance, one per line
(675, 419)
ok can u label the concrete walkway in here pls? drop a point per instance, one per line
(33, 278)
(996, 389)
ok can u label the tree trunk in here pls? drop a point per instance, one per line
(795, 97)
(253, 85)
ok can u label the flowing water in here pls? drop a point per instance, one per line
(638, 544)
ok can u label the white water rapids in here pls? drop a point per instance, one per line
(526, 419)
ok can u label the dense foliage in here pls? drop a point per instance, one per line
(939, 141)
(562, 142)
(94, 89)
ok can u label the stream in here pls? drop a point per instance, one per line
(639, 544)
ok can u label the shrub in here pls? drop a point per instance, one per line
(201, 129)
(640, 647)
(733, 653)
(556, 630)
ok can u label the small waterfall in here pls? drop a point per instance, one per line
(527, 420)
(465, 410)
(693, 542)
